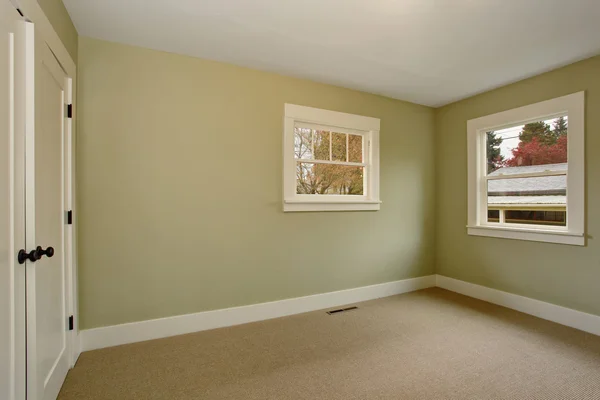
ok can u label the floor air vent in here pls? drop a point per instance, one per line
(339, 310)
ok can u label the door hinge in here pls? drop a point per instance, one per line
(70, 217)
(71, 323)
(69, 110)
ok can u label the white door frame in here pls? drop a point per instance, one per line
(32, 12)
(71, 253)
(13, 276)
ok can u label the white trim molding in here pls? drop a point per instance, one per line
(164, 327)
(76, 347)
(572, 105)
(97, 338)
(536, 235)
(335, 122)
(34, 13)
(565, 316)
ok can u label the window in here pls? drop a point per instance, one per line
(331, 161)
(526, 172)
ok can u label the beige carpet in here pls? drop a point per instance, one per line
(431, 344)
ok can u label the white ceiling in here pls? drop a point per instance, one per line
(430, 52)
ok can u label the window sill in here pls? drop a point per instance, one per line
(335, 205)
(532, 234)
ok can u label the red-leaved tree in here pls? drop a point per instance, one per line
(536, 152)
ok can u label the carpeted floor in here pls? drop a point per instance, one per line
(431, 344)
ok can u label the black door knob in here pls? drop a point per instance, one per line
(24, 256)
(34, 255)
(40, 252)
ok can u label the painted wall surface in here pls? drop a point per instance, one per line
(559, 274)
(61, 22)
(180, 190)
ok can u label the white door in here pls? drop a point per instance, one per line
(12, 204)
(46, 277)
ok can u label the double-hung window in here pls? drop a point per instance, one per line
(331, 160)
(526, 172)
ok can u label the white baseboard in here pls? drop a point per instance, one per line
(115, 335)
(76, 348)
(159, 328)
(551, 312)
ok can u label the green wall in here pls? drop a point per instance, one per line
(559, 274)
(180, 194)
(61, 22)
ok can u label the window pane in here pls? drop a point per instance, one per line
(534, 217)
(303, 143)
(551, 189)
(534, 144)
(493, 215)
(338, 146)
(321, 139)
(527, 200)
(312, 144)
(329, 179)
(355, 148)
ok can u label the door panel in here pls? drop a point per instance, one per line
(47, 339)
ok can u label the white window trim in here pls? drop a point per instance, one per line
(367, 126)
(574, 233)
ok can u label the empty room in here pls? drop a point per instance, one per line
(299, 199)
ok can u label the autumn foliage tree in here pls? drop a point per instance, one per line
(321, 178)
(539, 144)
(537, 153)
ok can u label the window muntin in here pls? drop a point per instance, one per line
(331, 160)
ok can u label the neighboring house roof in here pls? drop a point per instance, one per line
(543, 185)
(532, 200)
(536, 190)
(529, 169)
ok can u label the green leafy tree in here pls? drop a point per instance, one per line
(494, 156)
(539, 130)
(560, 127)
